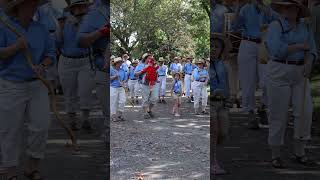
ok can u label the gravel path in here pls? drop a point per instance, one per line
(165, 147)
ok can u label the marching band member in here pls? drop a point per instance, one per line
(23, 97)
(162, 78)
(149, 96)
(126, 64)
(201, 78)
(187, 70)
(251, 17)
(94, 33)
(118, 80)
(133, 83)
(74, 67)
(219, 109)
(288, 39)
(176, 93)
(174, 67)
(45, 15)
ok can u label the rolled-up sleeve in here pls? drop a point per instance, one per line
(276, 47)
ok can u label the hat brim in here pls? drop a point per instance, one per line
(118, 61)
(78, 4)
(9, 5)
(200, 62)
(278, 6)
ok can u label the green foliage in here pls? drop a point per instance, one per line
(165, 28)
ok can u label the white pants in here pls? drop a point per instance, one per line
(247, 61)
(200, 93)
(117, 100)
(77, 83)
(285, 83)
(20, 103)
(149, 97)
(162, 85)
(187, 84)
(263, 83)
(134, 88)
(102, 91)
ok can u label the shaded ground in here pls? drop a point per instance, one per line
(163, 148)
(246, 155)
(61, 163)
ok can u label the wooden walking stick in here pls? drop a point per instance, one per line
(28, 57)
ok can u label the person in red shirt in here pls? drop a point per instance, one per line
(151, 73)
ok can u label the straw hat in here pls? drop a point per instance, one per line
(13, 3)
(116, 60)
(145, 55)
(135, 61)
(174, 74)
(278, 5)
(78, 2)
(161, 59)
(176, 58)
(200, 61)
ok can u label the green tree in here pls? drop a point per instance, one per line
(165, 28)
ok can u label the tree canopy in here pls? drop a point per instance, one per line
(166, 28)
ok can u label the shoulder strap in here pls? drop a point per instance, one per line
(283, 31)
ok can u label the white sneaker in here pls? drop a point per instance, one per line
(177, 115)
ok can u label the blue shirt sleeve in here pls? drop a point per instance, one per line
(276, 47)
(196, 75)
(240, 19)
(50, 50)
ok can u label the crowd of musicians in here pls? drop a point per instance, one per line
(189, 79)
(285, 30)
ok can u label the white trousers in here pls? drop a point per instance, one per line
(263, 82)
(21, 103)
(200, 93)
(187, 84)
(149, 97)
(134, 88)
(76, 79)
(117, 100)
(162, 85)
(247, 61)
(102, 91)
(285, 84)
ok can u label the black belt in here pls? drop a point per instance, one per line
(161, 75)
(201, 81)
(133, 79)
(255, 40)
(296, 62)
(32, 79)
(76, 57)
(188, 74)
